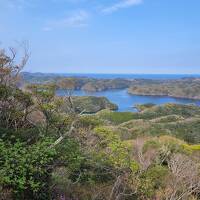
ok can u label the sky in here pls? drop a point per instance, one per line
(105, 36)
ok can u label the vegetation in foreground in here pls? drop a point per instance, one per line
(47, 152)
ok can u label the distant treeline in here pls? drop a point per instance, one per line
(182, 88)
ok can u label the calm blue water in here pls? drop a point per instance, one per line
(126, 101)
(133, 76)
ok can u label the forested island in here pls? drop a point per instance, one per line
(180, 88)
(69, 148)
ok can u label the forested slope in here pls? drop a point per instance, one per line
(47, 152)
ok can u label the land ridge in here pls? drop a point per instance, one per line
(188, 88)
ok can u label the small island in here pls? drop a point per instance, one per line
(188, 88)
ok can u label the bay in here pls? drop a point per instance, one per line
(127, 101)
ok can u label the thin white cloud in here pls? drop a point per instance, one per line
(78, 19)
(17, 4)
(120, 5)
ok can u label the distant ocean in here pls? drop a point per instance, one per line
(127, 101)
(133, 76)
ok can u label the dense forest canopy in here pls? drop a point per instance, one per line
(47, 152)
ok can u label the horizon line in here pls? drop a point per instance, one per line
(104, 73)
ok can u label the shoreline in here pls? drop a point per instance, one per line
(172, 96)
(134, 94)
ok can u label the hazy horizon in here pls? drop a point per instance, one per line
(111, 73)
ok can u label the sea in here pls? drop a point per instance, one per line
(131, 76)
(126, 102)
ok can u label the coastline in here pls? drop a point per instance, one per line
(164, 95)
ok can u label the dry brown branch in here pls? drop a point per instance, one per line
(185, 179)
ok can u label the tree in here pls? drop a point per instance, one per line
(26, 166)
(9, 70)
(14, 103)
(185, 178)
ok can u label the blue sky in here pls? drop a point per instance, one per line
(105, 36)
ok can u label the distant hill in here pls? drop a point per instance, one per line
(180, 88)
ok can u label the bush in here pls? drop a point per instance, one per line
(26, 169)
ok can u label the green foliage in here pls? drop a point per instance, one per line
(92, 156)
(170, 109)
(117, 117)
(29, 135)
(152, 180)
(92, 104)
(181, 121)
(142, 107)
(14, 107)
(91, 121)
(45, 92)
(70, 155)
(151, 144)
(114, 151)
(26, 168)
